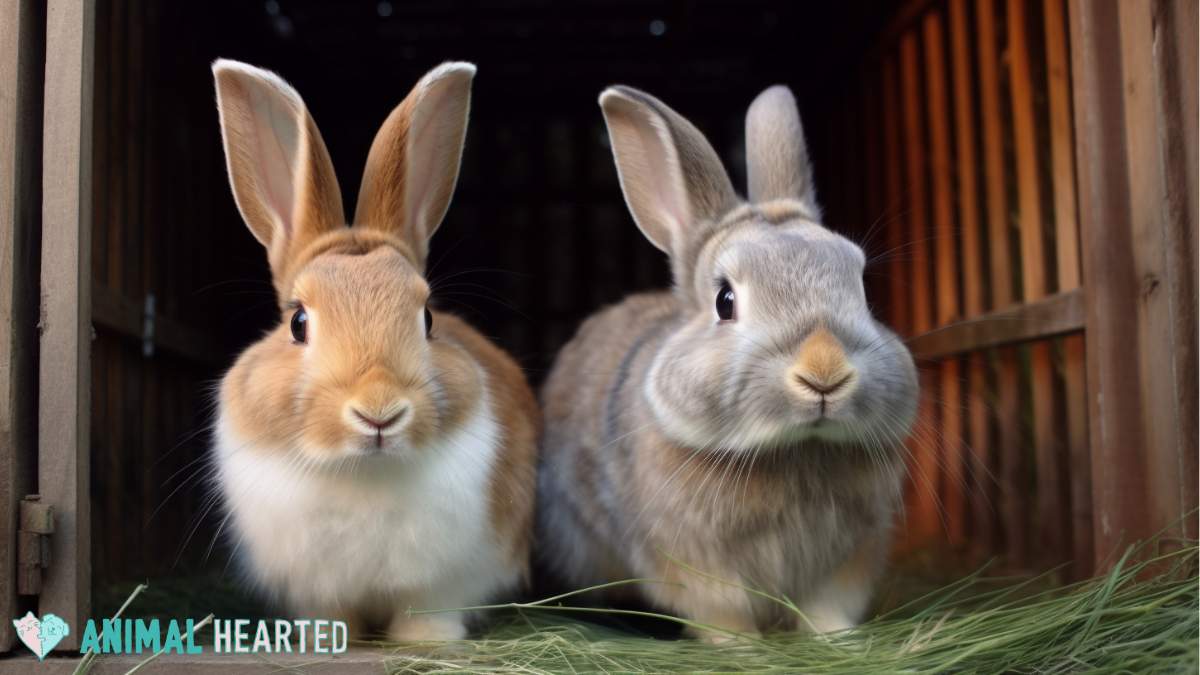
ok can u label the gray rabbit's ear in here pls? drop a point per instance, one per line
(671, 176)
(776, 155)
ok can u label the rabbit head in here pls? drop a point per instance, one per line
(354, 367)
(775, 345)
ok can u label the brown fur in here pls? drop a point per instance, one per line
(822, 360)
(366, 354)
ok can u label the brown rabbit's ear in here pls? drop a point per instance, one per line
(671, 176)
(282, 177)
(413, 164)
(777, 163)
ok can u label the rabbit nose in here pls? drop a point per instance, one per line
(821, 387)
(381, 421)
(821, 366)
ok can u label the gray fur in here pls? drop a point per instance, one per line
(670, 435)
(777, 165)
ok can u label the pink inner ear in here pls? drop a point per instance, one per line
(433, 154)
(276, 146)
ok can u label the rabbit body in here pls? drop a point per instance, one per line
(750, 444)
(374, 456)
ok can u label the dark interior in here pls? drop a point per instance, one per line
(537, 236)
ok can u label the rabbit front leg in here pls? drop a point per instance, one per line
(722, 610)
(840, 602)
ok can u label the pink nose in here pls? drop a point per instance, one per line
(378, 424)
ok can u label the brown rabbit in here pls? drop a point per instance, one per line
(373, 455)
(742, 430)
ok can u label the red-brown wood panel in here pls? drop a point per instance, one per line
(1011, 469)
(924, 512)
(1066, 238)
(1051, 525)
(949, 393)
(982, 482)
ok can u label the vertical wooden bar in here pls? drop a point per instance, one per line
(1177, 63)
(64, 386)
(21, 54)
(949, 441)
(898, 313)
(1066, 229)
(1052, 525)
(982, 508)
(924, 512)
(1140, 361)
(1162, 232)
(1012, 464)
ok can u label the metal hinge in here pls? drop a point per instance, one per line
(33, 544)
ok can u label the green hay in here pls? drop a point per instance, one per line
(1142, 617)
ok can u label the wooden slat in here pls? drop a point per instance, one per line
(992, 119)
(125, 317)
(1119, 484)
(1177, 63)
(1066, 228)
(915, 172)
(924, 513)
(898, 314)
(64, 387)
(1011, 456)
(1052, 524)
(21, 53)
(982, 483)
(1160, 229)
(1049, 317)
(949, 438)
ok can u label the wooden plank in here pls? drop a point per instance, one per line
(64, 387)
(1178, 62)
(355, 660)
(1115, 405)
(1160, 224)
(21, 54)
(1052, 524)
(1049, 317)
(1009, 453)
(982, 483)
(949, 441)
(915, 171)
(125, 317)
(898, 314)
(1066, 228)
(924, 512)
(992, 119)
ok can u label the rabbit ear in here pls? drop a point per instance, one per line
(671, 176)
(280, 171)
(776, 156)
(413, 164)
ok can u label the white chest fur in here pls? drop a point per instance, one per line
(414, 532)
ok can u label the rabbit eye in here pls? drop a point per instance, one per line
(428, 322)
(300, 326)
(726, 303)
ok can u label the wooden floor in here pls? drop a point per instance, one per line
(355, 660)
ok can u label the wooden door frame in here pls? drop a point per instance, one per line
(64, 399)
(22, 50)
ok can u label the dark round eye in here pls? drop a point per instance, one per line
(428, 321)
(300, 326)
(726, 305)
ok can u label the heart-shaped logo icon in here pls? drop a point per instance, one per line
(41, 635)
